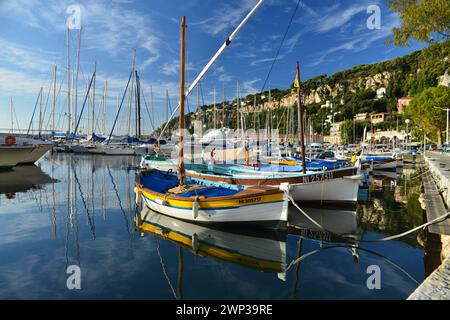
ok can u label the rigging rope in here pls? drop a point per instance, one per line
(281, 45)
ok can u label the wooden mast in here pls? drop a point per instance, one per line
(181, 172)
(301, 134)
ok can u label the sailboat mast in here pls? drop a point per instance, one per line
(11, 110)
(76, 76)
(40, 115)
(138, 104)
(181, 172)
(167, 105)
(130, 97)
(300, 119)
(227, 42)
(214, 109)
(93, 99)
(104, 106)
(68, 82)
(54, 97)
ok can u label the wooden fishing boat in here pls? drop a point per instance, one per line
(380, 162)
(263, 250)
(339, 185)
(158, 162)
(210, 202)
(203, 201)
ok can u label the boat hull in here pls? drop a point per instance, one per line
(263, 206)
(340, 190)
(116, 150)
(266, 215)
(336, 186)
(38, 152)
(385, 165)
(11, 156)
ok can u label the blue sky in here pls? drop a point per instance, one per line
(326, 36)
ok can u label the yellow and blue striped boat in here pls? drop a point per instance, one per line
(211, 202)
(264, 251)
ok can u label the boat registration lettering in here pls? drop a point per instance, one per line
(250, 200)
(319, 177)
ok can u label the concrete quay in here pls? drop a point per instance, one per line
(436, 200)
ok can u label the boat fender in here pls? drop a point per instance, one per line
(160, 201)
(10, 140)
(194, 243)
(138, 196)
(195, 209)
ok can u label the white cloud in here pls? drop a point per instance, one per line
(19, 83)
(226, 16)
(360, 40)
(173, 68)
(20, 56)
(249, 86)
(110, 27)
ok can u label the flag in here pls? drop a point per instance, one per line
(297, 83)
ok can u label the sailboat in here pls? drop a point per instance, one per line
(204, 201)
(336, 185)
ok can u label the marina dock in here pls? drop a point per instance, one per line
(436, 195)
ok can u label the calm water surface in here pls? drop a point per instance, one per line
(80, 210)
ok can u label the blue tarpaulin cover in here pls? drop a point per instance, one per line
(162, 181)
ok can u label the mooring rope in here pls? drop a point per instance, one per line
(397, 236)
(389, 261)
(163, 267)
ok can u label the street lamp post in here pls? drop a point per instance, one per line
(407, 121)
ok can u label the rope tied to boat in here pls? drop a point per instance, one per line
(439, 219)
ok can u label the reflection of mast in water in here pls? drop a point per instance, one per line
(297, 269)
(53, 220)
(90, 219)
(72, 219)
(120, 201)
(92, 189)
(180, 273)
(103, 196)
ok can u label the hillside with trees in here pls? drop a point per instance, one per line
(351, 91)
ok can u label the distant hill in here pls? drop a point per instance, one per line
(352, 91)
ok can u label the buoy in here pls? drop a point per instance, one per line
(10, 140)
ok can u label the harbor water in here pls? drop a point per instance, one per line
(80, 210)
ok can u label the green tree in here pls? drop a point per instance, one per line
(421, 19)
(425, 116)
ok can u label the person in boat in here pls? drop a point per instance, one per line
(213, 153)
(156, 148)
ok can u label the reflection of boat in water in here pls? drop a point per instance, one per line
(387, 174)
(23, 178)
(337, 222)
(264, 250)
(89, 160)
